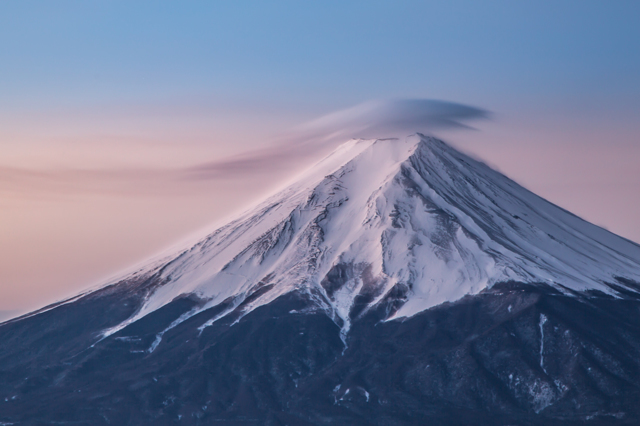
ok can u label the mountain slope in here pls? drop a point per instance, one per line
(412, 215)
(395, 282)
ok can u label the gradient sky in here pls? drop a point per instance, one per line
(102, 102)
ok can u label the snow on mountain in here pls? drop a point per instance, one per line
(407, 218)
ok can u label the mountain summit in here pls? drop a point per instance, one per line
(299, 310)
(413, 222)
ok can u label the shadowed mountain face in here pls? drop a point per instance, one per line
(396, 283)
(5, 315)
(515, 354)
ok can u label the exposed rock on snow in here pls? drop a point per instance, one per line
(411, 219)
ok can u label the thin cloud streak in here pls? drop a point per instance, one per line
(370, 120)
(376, 119)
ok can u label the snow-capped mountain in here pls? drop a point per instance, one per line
(413, 215)
(381, 248)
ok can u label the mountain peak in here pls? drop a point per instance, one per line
(411, 223)
(286, 314)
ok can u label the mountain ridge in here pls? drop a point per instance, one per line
(466, 240)
(396, 283)
(414, 160)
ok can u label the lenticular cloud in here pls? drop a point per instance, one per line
(370, 120)
(392, 118)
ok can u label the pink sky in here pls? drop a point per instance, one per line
(92, 194)
(116, 116)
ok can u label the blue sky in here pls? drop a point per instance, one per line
(319, 55)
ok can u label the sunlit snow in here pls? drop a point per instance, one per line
(410, 212)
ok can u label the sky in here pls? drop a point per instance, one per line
(127, 125)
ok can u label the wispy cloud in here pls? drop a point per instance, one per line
(376, 119)
(393, 118)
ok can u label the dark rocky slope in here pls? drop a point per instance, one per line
(515, 354)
